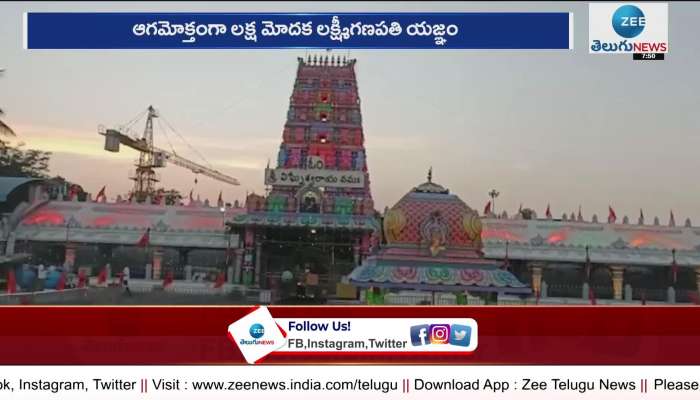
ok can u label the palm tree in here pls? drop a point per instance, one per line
(4, 129)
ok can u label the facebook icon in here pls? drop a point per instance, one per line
(419, 335)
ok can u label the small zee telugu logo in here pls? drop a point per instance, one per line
(257, 331)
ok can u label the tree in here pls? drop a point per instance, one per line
(16, 161)
(528, 213)
(5, 130)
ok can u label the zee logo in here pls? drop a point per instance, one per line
(257, 331)
(628, 21)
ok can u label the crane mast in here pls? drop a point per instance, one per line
(145, 177)
(151, 157)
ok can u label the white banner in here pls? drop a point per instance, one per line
(317, 177)
(379, 335)
(341, 382)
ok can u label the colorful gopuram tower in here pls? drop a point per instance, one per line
(318, 212)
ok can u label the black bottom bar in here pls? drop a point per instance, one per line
(648, 56)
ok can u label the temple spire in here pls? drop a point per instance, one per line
(430, 175)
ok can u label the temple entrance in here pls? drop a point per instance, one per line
(288, 255)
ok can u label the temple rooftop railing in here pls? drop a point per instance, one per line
(573, 241)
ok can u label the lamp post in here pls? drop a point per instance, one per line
(493, 194)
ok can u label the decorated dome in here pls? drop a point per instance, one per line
(430, 216)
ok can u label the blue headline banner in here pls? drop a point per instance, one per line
(314, 30)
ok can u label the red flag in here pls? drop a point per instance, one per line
(102, 277)
(591, 295)
(82, 279)
(220, 280)
(101, 194)
(612, 217)
(61, 282)
(168, 280)
(487, 209)
(11, 282)
(548, 213)
(145, 239)
(220, 201)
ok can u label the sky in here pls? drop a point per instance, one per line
(564, 128)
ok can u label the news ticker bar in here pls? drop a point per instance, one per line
(349, 382)
(591, 335)
(483, 30)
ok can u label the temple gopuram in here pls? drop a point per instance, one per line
(317, 215)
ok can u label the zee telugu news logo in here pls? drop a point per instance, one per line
(257, 331)
(628, 28)
(455, 334)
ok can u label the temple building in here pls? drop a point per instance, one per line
(317, 218)
(573, 259)
(433, 244)
(318, 214)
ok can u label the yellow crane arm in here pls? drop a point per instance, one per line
(193, 166)
(113, 138)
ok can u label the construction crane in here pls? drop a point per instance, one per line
(152, 157)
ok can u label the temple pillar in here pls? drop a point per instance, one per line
(618, 273)
(258, 261)
(69, 258)
(671, 295)
(105, 254)
(230, 274)
(157, 262)
(183, 257)
(248, 268)
(536, 269)
(10, 245)
(237, 266)
(543, 289)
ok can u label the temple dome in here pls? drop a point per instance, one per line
(430, 215)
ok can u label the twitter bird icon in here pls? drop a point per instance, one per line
(460, 335)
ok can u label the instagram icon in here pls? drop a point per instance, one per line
(439, 333)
